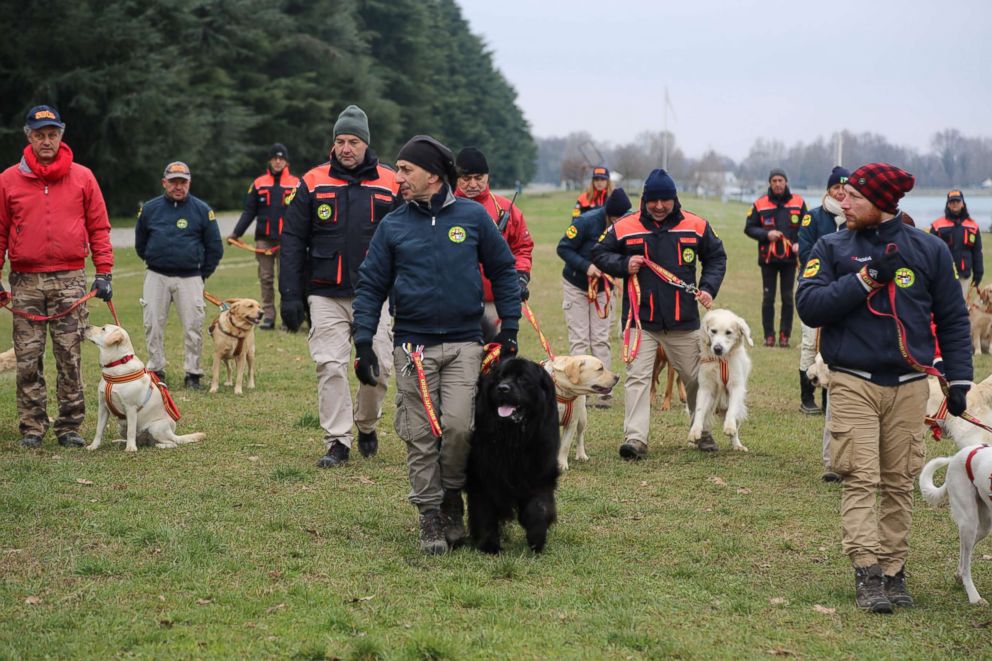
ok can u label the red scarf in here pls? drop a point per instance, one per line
(54, 171)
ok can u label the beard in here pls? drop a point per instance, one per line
(868, 220)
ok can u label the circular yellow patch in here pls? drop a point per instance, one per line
(571, 232)
(688, 255)
(905, 277)
(812, 268)
(182, 223)
(807, 219)
(211, 215)
(794, 218)
(324, 211)
(456, 234)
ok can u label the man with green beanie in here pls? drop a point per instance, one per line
(328, 226)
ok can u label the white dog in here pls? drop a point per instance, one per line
(576, 377)
(724, 367)
(962, 432)
(127, 389)
(968, 485)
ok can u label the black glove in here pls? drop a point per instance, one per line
(883, 269)
(293, 313)
(366, 364)
(976, 279)
(102, 286)
(507, 340)
(957, 399)
(524, 279)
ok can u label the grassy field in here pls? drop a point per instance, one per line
(240, 547)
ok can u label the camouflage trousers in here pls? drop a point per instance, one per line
(47, 294)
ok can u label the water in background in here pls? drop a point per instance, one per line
(927, 208)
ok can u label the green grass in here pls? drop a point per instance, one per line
(239, 546)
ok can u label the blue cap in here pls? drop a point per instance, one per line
(838, 175)
(658, 186)
(43, 116)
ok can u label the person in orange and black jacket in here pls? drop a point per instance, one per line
(595, 196)
(676, 240)
(473, 183)
(963, 236)
(774, 224)
(267, 199)
(330, 222)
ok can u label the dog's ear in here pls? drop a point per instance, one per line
(573, 370)
(231, 300)
(115, 336)
(745, 331)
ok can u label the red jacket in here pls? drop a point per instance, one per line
(515, 232)
(53, 225)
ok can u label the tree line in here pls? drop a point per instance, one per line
(216, 82)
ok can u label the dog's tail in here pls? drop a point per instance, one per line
(185, 438)
(934, 495)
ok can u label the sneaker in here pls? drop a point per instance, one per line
(770, 341)
(870, 590)
(432, 541)
(368, 444)
(453, 511)
(192, 381)
(895, 590)
(31, 442)
(337, 455)
(783, 340)
(830, 476)
(633, 450)
(602, 402)
(706, 443)
(71, 439)
(268, 324)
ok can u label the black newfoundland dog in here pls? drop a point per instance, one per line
(513, 463)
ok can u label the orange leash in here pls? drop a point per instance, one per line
(416, 356)
(5, 302)
(593, 295)
(237, 243)
(525, 308)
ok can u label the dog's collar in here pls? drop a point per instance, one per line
(126, 359)
(724, 367)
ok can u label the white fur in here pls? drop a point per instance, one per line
(577, 376)
(962, 432)
(152, 422)
(818, 373)
(971, 504)
(722, 337)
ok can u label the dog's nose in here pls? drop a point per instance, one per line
(503, 388)
(718, 349)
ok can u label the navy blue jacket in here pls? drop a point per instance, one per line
(575, 248)
(833, 296)
(427, 260)
(818, 222)
(178, 238)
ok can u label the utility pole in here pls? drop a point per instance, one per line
(840, 148)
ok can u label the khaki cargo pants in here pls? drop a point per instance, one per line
(876, 444)
(47, 294)
(436, 464)
(587, 333)
(267, 267)
(159, 292)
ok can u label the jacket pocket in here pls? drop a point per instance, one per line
(380, 204)
(325, 267)
(325, 210)
(841, 446)
(917, 452)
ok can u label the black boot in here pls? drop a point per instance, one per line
(368, 444)
(807, 394)
(337, 455)
(432, 541)
(453, 510)
(895, 590)
(192, 381)
(870, 590)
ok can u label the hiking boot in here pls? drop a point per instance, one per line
(432, 541)
(337, 455)
(31, 442)
(633, 450)
(70, 439)
(706, 443)
(268, 324)
(807, 394)
(368, 444)
(783, 340)
(453, 511)
(830, 476)
(770, 341)
(870, 590)
(192, 381)
(602, 402)
(895, 590)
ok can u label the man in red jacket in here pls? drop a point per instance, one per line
(52, 215)
(473, 183)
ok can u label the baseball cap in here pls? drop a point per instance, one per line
(600, 173)
(955, 195)
(43, 116)
(176, 170)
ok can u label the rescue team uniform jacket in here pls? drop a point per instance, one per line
(575, 248)
(964, 238)
(427, 260)
(818, 222)
(676, 244)
(329, 224)
(832, 295)
(178, 239)
(267, 199)
(511, 224)
(776, 212)
(48, 226)
(588, 202)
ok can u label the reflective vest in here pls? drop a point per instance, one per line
(785, 218)
(964, 238)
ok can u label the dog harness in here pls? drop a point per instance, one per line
(968, 469)
(569, 403)
(216, 325)
(111, 381)
(724, 368)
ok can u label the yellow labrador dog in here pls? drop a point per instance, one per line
(128, 392)
(980, 314)
(8, 361)
(724, 368)
(233, 333)
(575, 378)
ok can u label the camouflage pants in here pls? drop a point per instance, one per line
(47, 294)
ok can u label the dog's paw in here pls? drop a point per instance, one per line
(739, 447)
(666, 405)
(562, 466)
(239, 391)
(213, 389)
(695, 433)
(729, 428)
(581, 456)
(981, 602)
(228, 383)
(130, 448)
(92, 446)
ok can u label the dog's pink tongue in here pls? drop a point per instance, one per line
(506, 411)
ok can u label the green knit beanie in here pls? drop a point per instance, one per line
(353, 121)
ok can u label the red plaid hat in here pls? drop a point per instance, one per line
(882, 184)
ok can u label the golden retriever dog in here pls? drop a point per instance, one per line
(724, 368)
(8, 361)
(818, 373)
(960, 431)
(660, 363)
(576, 377)
(233, 333)
(980, 313)
(130, 393)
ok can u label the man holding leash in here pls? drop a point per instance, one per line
(52, 215)
(178, 239)
(426, 258)
(660, 234)
(337, 208)
(265, 205)
(963, 236)
(873, 290)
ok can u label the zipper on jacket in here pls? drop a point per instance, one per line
(46, 189)
(433, 219)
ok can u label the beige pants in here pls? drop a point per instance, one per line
(965, 286)
(159, 292)
(330, 348)
(682, 348)
(436, 464)
(877, 445)
(587, 333)
(807, 350)
(267, 266)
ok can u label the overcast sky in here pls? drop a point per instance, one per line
(742, 69)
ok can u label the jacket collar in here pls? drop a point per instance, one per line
(440, 200)
(367, 170)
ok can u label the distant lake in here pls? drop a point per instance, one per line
(927, 208)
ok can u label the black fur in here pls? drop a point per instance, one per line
(513, 463)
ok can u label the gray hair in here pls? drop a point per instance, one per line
(28, 129)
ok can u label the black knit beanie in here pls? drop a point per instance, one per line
(428, 153)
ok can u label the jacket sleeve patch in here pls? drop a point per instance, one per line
(571, 232)
(807, 219)
(812, 268)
